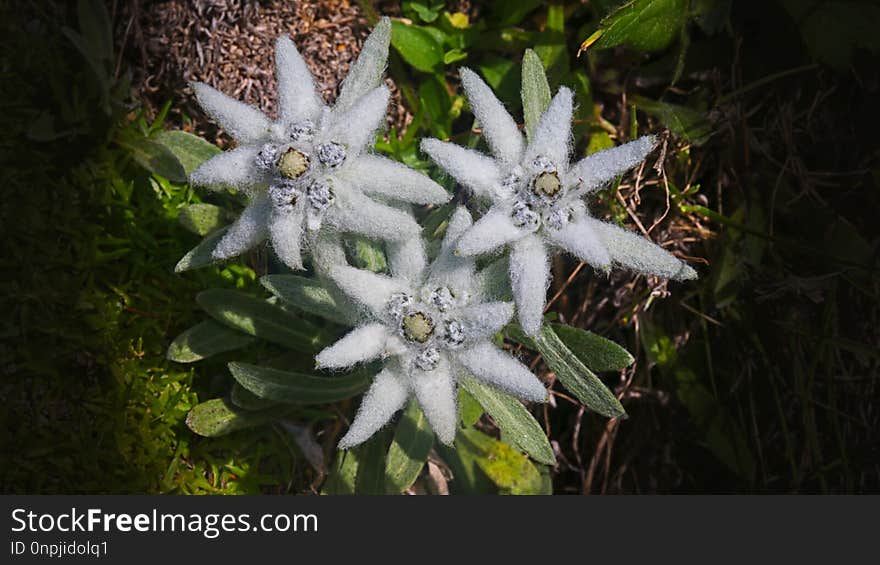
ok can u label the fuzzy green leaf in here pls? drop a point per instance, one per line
(309, 295)
(245, 399)
(298, 388)
(535, 90)
(258, 318)
(201, 255)
(469, 410)
(343, 473)
(371, 463)
(190, 150)
(156, 158)
(413, 440)
(596, 352)
(204, 340)
(201, 218)
(219, 417)
(513, 419)
(576, 377)
(417, 46)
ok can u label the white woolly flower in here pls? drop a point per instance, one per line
(537, 198)
(429, 324)
(309, 169)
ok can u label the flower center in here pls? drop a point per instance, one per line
(293, 163)
(418, 327)
(331, 154)
(547, 184)
(284, 194)
(427, 359)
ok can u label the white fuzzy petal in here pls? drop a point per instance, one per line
(459, 222)
(360, 214)
(297, 98)
(366, 73)
(356, 127)
(529, 279)
(482, 321)
(579, 238)
(248, 230)
(635, 252)
(386, 396)
(598, 169)
(407, 259)
(449, 269)
(286, 233)
(437, 394)
(244, 123)
(499, 128)
(472, 169)
(374, 174)
(363, 343)
(369, 289)
(231, 169)
(501, 370)
(490, 232)
(552, 137)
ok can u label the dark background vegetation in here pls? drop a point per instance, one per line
(761, 377)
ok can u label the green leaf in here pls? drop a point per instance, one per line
(681, 120)
(467, 477)
(417, 46)
(576, 377)
(219, 417)
(513, 420)
(204, 340)
(503, 75)
(427, 13)
(409, 450)
(190, 150)
(646, 25)
(469, 410)
(155, 158)
(454, 56)
(298, 388)
(201, 255)
(436, 104)
(309, 295)
(258, 318)
(343, 473)
(551, 47)
(596, 352)
(371, 463)
(201, 219)
(506, 467)
(367, 254)
(511, 12)
(535, 90)
(245, 399)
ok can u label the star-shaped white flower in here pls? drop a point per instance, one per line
(309, 170)
(536, 198)
(429, 324)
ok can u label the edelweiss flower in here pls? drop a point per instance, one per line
(536, 197)
(429, 324)
(309, 169)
